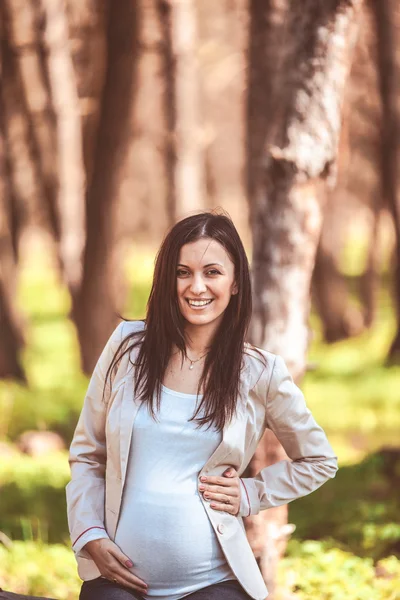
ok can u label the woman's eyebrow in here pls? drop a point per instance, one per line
(204, 267)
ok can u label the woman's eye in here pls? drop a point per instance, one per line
(182, 273)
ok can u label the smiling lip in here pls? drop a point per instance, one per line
(199, 307)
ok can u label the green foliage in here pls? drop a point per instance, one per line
(32, 497)
(359, 508)
(312, 570)
(318, 570)
(39, 570)
(351, 392)
(54, 396)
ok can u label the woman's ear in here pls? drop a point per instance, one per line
(234, 288)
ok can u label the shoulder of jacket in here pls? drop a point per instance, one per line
(129, 327)
(123, 330)
(260, 363)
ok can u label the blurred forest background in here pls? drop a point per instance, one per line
(119, 117)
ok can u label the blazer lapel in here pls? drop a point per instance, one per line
(233, 430)
(128, 413)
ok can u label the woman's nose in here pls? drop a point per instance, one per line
(198, 285)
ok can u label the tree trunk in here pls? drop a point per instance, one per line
(20, 164)
(95, 312)
(25, 171)
(164, 9)
(389, 84)
(24, 17)
(71, 176)
(11, 339)
(222, 41)
(370, 279)
(292, 152)
(182, 98)
(87, 38)
(340, 319)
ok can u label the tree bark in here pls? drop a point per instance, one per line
(21, 173)
(185, 153)
(389, 87)
(11, 338)
(71, 176)
(95, 312)
(164, 10)
(29, 204)
(340, 319)
(293, 138)
(24, 17)
(370, 279)
(87, 38)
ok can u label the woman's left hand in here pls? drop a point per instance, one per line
(223, 492)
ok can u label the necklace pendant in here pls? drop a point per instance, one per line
(191, 367)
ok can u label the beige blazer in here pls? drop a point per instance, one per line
(268, 398)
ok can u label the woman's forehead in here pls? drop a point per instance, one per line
(202, 252)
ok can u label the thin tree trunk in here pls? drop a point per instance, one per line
(292, 153)
(71, 188)
(389, 84)
(370, 279)
(11, 338)
(340, 319)
(24, 17)
(169, 105)
(25, 174)
(96, 310)
(183, 117)
(17, 155)
(87, 37)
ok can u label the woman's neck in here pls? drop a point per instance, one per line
(199, 338)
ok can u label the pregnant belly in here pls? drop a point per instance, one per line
(169, 539)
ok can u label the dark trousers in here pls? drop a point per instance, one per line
(103, 589)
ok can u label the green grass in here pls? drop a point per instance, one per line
(321, 570)
(351, 393)
(38, 569)
(32, 498)
(359, 508)
(312, 570)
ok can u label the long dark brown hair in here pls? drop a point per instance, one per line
(165, 324)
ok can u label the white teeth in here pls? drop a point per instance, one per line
(199, 302)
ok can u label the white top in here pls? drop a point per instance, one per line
(163, 526)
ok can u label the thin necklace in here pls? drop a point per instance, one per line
(195, 361)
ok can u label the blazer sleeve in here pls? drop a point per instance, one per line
(312, 459)
(87, 456)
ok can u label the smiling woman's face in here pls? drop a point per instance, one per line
(205, 281)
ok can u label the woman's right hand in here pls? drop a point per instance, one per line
(114, 564)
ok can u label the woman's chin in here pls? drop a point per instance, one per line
(201, 319)
(198, 319)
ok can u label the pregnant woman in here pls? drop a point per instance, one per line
(173, 414)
